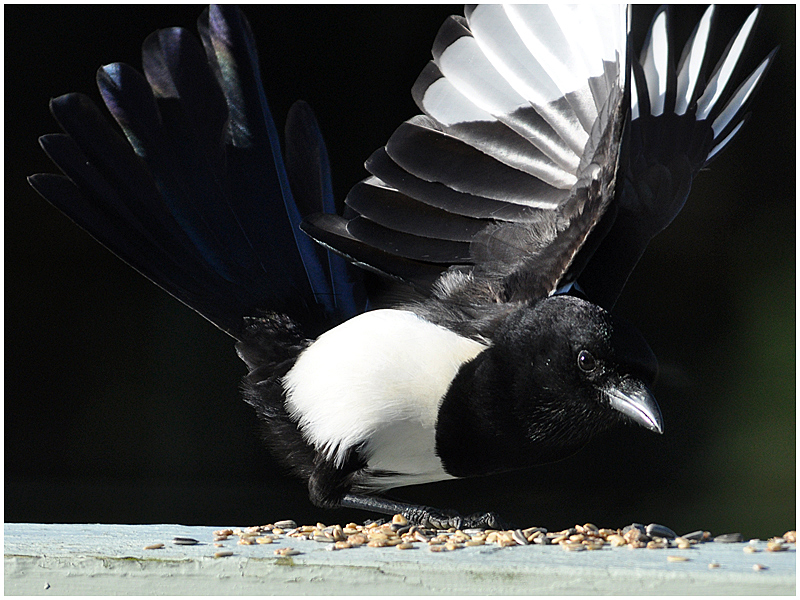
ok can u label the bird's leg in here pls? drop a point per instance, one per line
(424, 516)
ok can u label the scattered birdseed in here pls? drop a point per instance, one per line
(154, 547)
(223, 553)
(400, 533)
(184, 541)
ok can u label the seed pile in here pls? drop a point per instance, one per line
(400, 534)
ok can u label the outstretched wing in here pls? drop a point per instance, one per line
(197, 197)
(520, 173)
(513, 162)
(681, 118)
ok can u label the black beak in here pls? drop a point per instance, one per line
(632, 398)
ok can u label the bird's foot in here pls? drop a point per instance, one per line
(426, 516)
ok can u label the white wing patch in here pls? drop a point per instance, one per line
(376, 378)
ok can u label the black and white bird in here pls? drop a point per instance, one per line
(455, 319)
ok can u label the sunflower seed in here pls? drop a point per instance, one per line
(519, 537)
(285, 524)
(697, 536)
(656, 530)
(729, 538)
(184, 541)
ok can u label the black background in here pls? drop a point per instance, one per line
(122, 405)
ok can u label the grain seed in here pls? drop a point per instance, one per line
(437, 548)
(674, 558)
(713, 565)
(223, 553)
(399, 520)
(573, 546)
(616, 540)
(475, 542)
(154, 547)
(405, 546)
(683, 543)
(342, 545)
(224, 532)
(790, 536)
(287, 552)
(758, 567)
(265, 539)
(246, 541)
(775, 545)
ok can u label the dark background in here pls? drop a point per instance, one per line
(122, 405)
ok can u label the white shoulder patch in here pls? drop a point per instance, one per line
(380, 368)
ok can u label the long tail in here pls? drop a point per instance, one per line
(198, 199)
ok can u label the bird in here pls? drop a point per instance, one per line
(455, 318)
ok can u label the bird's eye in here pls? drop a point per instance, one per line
(586, 361)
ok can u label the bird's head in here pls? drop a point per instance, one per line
(577, 369)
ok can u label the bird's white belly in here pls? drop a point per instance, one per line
(377, 380)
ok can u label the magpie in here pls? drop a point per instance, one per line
(454, 319)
